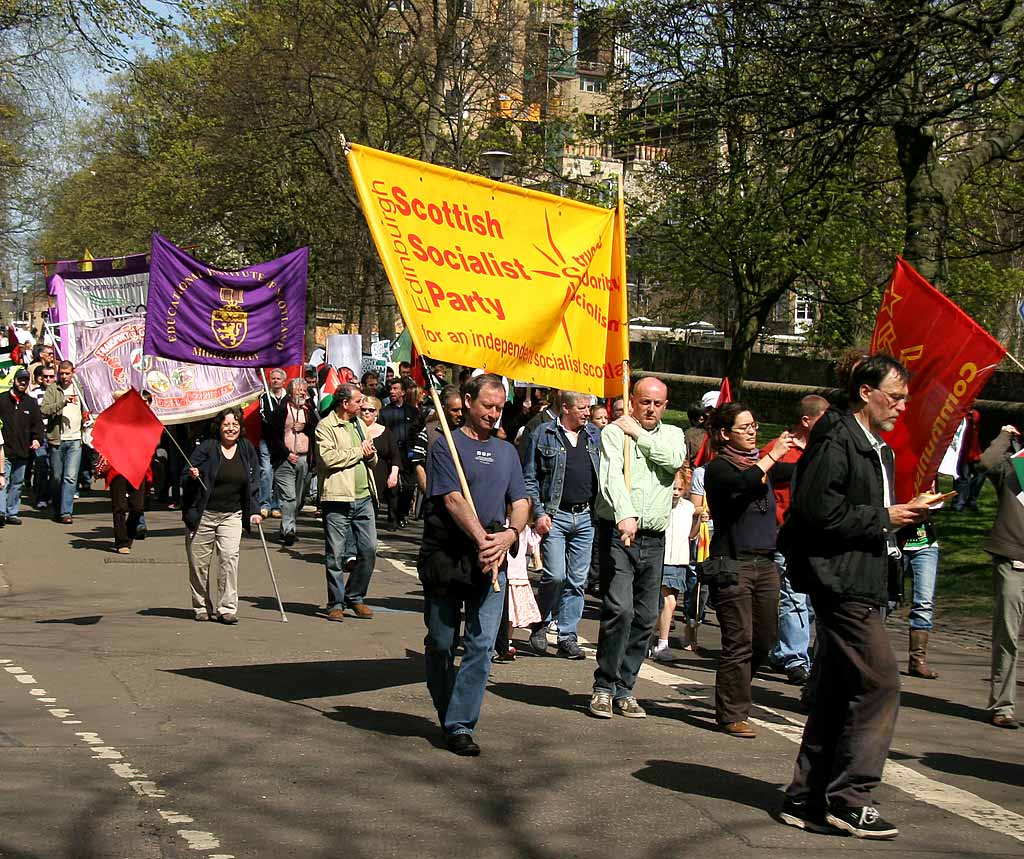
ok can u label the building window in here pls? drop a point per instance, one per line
(803, 314)
(593, 85)
(400, 5)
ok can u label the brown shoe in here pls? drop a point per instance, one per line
(1005, 721)
(336, 614)
(66, 520)
(918, 650)
(739, 729)
(362, 611)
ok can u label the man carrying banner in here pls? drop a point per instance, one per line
(1004, 466)
(66, 416)
(345, 459)
(463, 554)
(561, 467)
(271, 403)
(631, 521)
(839, 541)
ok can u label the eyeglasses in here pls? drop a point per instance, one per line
(894, 399)
(746, 428)
(367, 409)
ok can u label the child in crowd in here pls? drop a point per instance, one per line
(682, 527)
(520, 604)
(599, 416)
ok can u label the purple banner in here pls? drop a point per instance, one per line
(112, 358)
(253, 317)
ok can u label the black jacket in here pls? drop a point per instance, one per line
(834, 536)
(273, 433)
(207, 458)
(22, 424)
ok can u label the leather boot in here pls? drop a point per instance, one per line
(919, 655)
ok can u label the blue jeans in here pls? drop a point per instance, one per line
(267, 501)
(350, 527)
(64, 461)
(14, 477)
(290, 491)
(796, 617)
(41, 473)
(690, 594)
(458, 695)
(922, 565)
(968, 487)
(566, 552)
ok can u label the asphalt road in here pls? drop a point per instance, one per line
(128, 730)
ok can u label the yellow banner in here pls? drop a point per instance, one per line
(521, 283)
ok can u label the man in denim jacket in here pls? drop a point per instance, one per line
(561, 469)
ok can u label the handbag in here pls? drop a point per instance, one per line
(724, 571)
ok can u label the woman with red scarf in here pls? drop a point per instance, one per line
(746, 580)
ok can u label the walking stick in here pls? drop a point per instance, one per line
(277, 593)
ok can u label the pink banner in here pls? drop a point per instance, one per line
(110, 358)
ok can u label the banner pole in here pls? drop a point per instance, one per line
(1015, 361)
(451, 444)
(174, 441)
(620, 230)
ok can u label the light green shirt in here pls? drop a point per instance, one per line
(362, 489)
(654, 459)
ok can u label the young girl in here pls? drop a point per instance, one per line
(682, 526)
(520, 604)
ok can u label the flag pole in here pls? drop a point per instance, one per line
(620, 234)
(270, 569)
(443, 421)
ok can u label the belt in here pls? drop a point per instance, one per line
(575, 508)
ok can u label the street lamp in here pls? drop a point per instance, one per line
(496, 160)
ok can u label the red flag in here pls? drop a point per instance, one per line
(126, 434)
(950, 358)
(704, 455)
(251, 422)
(418, 374)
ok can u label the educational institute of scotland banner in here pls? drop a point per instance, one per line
(111, 359)
(518, 282)
(949, 356)
(252, 317)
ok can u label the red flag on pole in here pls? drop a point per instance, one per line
(126, 434)
(704, 455)
(950, 358)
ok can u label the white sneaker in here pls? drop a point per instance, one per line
(553, 627)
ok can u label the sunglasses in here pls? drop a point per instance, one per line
(367, 409)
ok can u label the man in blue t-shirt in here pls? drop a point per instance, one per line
(462, 557)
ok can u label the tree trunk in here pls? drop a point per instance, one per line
(925, 202)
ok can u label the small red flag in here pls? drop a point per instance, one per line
(705, 455)
(126, 434)
(950, 358)
(418, 374)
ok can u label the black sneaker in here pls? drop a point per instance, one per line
(539, 639)
(570, 649)
(463, 745)
(13, 520)
(797, 676)
(804, 816)
(140, 534)
(863, 822)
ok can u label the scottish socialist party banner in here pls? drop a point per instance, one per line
(112, 358)
(252, 317)
(950, 358)
(521, 283)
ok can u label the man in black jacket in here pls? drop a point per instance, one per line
(23, 434)
(839, 540)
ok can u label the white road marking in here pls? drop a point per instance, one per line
(137, 780)
(920, 787)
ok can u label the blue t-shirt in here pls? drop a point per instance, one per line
(492, 469)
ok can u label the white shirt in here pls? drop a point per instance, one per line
(892, 549)
(677, 533)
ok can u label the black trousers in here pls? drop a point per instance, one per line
(748, 614)
(126, 503)
(630, 587)
(853, 714)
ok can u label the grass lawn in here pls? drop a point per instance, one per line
(964, 586)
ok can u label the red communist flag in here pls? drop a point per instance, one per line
(126, 434)
(950, 358)
(705, 455)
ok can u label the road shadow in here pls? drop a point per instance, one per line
(87, 620)
(696, 714)
(777, 700)
(941, 706)
(540, 696)
(390, 722)
(269, 603)
(712, 782)
(177, 613)
(983, 768)
(297, 681)
(404, 604)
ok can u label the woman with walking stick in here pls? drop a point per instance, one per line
(221, 496)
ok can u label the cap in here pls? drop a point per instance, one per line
(21, 375)
(710, 399)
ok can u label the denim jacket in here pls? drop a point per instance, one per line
(544, 469)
